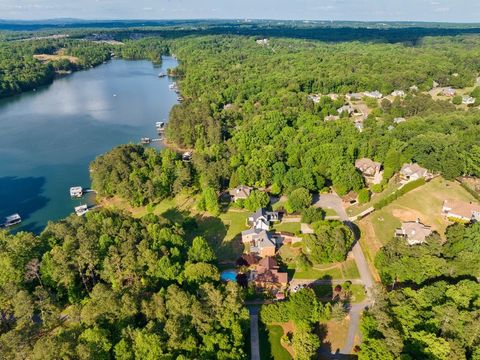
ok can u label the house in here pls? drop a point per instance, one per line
(241, 192)
(374, 94)
(333, 97)
(247, 260)
(262, 41)
(354, 96)
(448, 92)
(350, 199)
(349, 109)
(414, 232)
(398, 93)
(468, 100)
(370, 170)
(399, 120)
(228, 106)
(412, 172)
(461, 210)
(262, 219)
(414, 88)
(267, 274)
(435, 84)
(315, 98)
(260, 242)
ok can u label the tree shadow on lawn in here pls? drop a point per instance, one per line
(326, 352)
(214, 231)
(175, 215)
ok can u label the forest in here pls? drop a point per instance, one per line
(110, 286)
(20, 71)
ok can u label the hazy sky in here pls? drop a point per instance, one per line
(419, 10)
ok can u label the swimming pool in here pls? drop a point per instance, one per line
(229, 275)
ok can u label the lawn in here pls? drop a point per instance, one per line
(291, 227)
(334, 335)
(393, 185)
(325, 292)
(270, 345)
(349, 269)
(424, 203)
(314, 274)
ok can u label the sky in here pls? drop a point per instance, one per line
(362, 10)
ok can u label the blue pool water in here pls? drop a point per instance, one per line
(228, 275)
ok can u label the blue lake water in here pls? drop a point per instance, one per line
(49, 137)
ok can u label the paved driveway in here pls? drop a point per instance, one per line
(333, 201)
(254, 339)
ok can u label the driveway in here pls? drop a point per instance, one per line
(333, 201)
(254, 339)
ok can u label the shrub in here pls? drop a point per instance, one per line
(312, 214)
(457, 100)
(364, 196)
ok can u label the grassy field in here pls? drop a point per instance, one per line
(270, 345)
(314, 274)
(393, 185)
(334, 335)
(424, 203)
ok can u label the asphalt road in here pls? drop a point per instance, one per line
(254, 339)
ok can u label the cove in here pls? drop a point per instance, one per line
(49, 137)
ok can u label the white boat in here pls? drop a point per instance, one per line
(159, 124)
(81, 210)
(172, 86)
(145, 140)
(76, 191)
(162, 74)
(12, 220)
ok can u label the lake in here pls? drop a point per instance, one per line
(49, 137)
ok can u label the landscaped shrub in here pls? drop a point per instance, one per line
(363, 196)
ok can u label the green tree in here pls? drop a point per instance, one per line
(298, 200)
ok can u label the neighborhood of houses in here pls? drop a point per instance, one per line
(356, 108)
(262, 242)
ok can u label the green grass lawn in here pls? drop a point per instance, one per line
(325, 292)
(330, 212)
(350, 270)
(270, 346)
(357, 209)
(314, 274)
(292, 227)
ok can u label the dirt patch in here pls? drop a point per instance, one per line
(407, 214)
(48, 58)
(335, 334)
(118, 203)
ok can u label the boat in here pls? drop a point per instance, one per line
(179, 98)
(12, 220)
(172, 86)
(76, 191)
(145, 140)
(160, 124)
(81, 210)
(162, 74)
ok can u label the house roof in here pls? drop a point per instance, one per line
(241, 191)
(367, 166)
(464, 209)
(272, 276)
(268, 263)
(411, 169)
(415, 231)
(351, 196)
(247, 260)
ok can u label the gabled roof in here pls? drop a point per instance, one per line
(268, 263)
(464, 209)
(241, 191)
(411, 169)
(367, 166)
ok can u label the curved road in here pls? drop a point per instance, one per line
(333, 201)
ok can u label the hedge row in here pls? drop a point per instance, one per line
(402, 191)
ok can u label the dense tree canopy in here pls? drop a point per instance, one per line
(109, 286)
